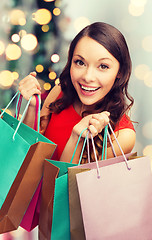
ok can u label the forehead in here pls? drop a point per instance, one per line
(88, 47)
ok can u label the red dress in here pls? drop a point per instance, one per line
(60, 127)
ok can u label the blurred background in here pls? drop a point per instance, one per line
(35, 36)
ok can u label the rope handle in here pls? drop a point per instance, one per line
(24, 112)
(77, 146)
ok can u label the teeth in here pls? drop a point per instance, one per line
(88, 88)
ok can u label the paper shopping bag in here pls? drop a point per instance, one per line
(21, 159)
(76, 222)
(116, 200)
(57, 221)
(50, 173)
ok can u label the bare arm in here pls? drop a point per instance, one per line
(126, 139)
(28, 87)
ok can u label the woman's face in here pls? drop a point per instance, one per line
(93, 71)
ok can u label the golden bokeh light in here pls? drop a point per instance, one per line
(141, 70)
(147, 43)
(15, 38)
(135, 10)
(47, 86)
(29, 42)
(13, 52)
(80, 23)
(49, 0)
(39, 68)
(45, 28)
(57, 3)
(2, 47)
(17, 17)
(42, 16)
(52, 75)
(22, 33)
(55, 58)
(56, 11)
(6, 79)
(57, 81)
(15, 75)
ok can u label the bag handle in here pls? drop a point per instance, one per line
(24, 112)
(37, 110)
(77, 146)
(126, 161)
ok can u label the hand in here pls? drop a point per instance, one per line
(94, 122)
(30, 86)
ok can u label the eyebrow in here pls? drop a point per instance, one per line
(101, 59)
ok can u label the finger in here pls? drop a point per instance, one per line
(102, 119)
(93, 130)
(33, 74)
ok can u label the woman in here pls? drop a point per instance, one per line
(93, 90)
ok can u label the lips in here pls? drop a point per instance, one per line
(88, 89)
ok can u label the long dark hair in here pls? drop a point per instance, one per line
(117, 101)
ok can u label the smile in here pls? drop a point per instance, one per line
(88, 89)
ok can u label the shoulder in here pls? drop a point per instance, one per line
(52, 96)
(124, 123)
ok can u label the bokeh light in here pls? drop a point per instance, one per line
(29, 42)
(57, 81)
(141, 70)
(15, 38)
(148, 79)
(47, 86)
(56, 11)
(15, 75)
(147, 151)
(55, 58)
(13, 52)
(80, 23)
(136, 10)
(45, 28)
(17, 17)
(49, 0)
(138, 2)
(52, 75)
(147, 43)
(42, 16)
(2, 47)
(39, 68)
(6, 79)
(146, 130)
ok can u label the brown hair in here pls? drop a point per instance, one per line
(116, 100)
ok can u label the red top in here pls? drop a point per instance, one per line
(60, 127)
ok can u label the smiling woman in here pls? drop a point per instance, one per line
(93, 91)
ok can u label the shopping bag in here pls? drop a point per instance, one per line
(76, 222)
(57, 204)
(22, 153)
(50, 173)
(116, 200)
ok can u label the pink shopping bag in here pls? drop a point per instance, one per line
(116, 200)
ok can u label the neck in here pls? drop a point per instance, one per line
(79, 107)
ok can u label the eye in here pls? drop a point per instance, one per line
(103, 66)
(79, 62)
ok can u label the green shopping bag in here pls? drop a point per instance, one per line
(61, 217)
(16, 140)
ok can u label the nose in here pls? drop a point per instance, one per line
(89, 75)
